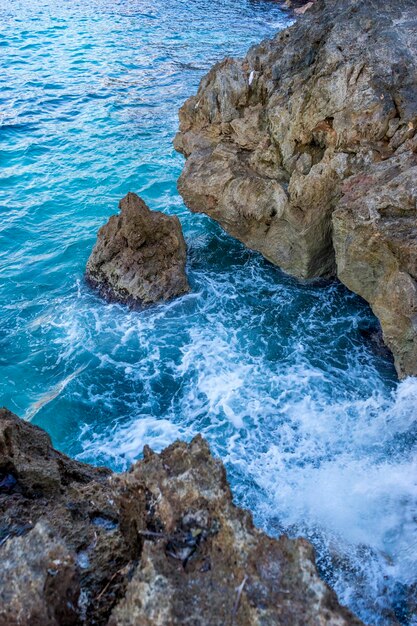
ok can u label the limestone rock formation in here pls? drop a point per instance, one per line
(375, 238)
(277, 142)
(162, 544)
(139, 257)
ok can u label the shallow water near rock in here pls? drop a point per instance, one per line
(282, 378)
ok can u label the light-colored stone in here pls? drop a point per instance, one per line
(375, 237)
(271, 139)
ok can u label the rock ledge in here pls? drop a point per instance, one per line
(162, 544)
(306, 150)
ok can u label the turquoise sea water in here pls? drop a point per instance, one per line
(318, 436)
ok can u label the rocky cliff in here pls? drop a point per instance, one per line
(162, 544)
(305, 150)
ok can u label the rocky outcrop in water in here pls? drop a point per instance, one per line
(139, 257)
(162, 544)
(306, 151)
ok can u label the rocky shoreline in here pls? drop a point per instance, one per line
(305, 150)
(160, 544)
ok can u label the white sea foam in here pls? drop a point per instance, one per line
(125, 444)
(315, 441)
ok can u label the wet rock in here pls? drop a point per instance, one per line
(160, 544)
(30, 466)
(139, 257)
(276, 144)
(7, 482)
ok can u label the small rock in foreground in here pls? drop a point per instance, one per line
(139, 257)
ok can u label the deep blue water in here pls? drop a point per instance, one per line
(318, 437)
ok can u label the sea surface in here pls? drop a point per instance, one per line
(282, 378)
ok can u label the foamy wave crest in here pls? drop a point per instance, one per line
(346, 476)
(123, 445)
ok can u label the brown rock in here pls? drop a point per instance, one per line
(139, 257)
(38, 486)
(271, 139)
(161, 544)
(375, 237)
(39, 583)
(203, 561)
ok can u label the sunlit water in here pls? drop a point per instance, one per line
(318, 437)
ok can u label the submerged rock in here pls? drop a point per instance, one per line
(306, 151)
(139, 257)
(162, 544)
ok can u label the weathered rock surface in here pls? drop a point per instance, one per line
(160, 544)
(305, 151)
(139, 257)
(375, 238)
(39, 581)
(55, 509)
(299, 6)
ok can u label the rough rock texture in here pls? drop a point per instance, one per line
(375, 238)
(299, 6)
(39, 581)
(160, 544)
(140, 256)
(55, 509)
(286, 143)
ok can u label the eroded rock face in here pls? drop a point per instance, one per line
(56, 509)
(375, 238)
(139, 257)
(203, 561)
(276, 142)
(162, 544)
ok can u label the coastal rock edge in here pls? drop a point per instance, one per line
(160, 544)
(305, 151)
